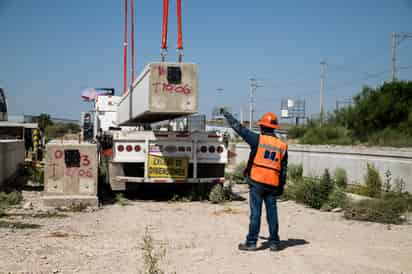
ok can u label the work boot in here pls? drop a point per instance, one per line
(247, 247)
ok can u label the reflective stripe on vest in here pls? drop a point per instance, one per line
(267, 163)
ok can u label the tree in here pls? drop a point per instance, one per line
(44, 121)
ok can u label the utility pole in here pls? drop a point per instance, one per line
(241, 114)
(397, 38)
(323, 65)
(253, 86)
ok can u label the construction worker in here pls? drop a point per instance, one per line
(266, 176)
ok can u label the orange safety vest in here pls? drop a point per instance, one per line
(267, 162)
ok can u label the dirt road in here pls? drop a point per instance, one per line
(201, 238)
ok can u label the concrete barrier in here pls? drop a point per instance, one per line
(353, 159)
(11, 156)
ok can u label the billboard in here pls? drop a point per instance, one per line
(90, 94)
(292, 108)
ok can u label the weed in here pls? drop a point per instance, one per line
(295, 172)
(325, 185)
(12, 198)
(296, 132)
(74, 207)
(357, 189)
(373, 182)
(17, 225)
(340, 177)
(312, 194)
(228, 210)
(327, 135)
(387, 182)
(58, 234)
(387, 211)
(337, 198)
(121, 200)
(399, 185)
(220, 194)
(151, 257)
(238, 174)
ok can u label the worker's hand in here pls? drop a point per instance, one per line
(222, 111)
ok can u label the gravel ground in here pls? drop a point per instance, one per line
(199, 237)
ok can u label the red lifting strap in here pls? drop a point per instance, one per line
(165, 23)
(179, 25)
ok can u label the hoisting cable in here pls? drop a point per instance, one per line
(132, 39)
(179, 31)
(125, 49)
(163, 52)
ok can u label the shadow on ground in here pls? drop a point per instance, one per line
(18, 225)
(291, 242)
(162, 192)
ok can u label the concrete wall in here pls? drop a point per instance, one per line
(353, 159)
(11, 155)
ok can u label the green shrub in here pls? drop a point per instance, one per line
(306, 191)
(390, 137)
(237, 175)
(340, 178)
(357, 189)
(295, 172)
(312, 195)
(326, 135)
(296, 132)
(220, 194)
(337, 198)
(373, 182)
(12, 198)
(325, 185)
(399, 185)
(387, 211)
(404, 198)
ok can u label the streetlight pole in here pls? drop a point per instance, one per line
(252, 86)
(397, 38)
(322, 87)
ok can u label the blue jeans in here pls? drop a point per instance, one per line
(259, 193)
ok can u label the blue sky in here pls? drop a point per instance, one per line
(50, 49)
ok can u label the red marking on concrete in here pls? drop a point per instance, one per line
(161, 70)
(70, 172)
(58, 154)
(85, 160)
(165, 87)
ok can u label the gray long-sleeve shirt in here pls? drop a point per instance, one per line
(252, 139)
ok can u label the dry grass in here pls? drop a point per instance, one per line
(151, 256)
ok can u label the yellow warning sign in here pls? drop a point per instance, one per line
(168, 167)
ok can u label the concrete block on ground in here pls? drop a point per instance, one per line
(11, 156)
(71, 174)
(70, 200)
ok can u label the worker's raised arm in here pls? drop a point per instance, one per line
(247, 135)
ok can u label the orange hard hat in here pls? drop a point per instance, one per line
(269, 119)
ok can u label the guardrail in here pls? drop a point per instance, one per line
(353, 159)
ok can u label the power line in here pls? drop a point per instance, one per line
(344, 84)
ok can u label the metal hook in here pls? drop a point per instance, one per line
(163, 54)
(180, 55)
